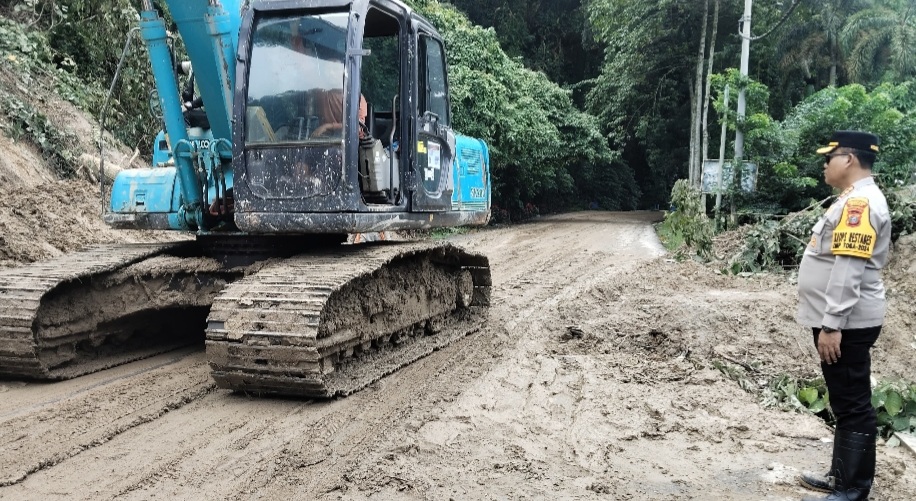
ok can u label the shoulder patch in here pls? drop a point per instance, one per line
(854, 235)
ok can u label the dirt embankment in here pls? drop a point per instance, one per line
(42, 216)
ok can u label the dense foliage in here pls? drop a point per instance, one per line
(641, 94)
(78, 43)
(644, 89)
(26, 77)
(790, 170)
(519, 84)
(544, 150)
(551, 36)
(785, 149)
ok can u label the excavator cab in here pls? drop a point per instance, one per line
(295, 80)
(347, 122)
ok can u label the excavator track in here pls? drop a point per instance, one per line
(328, 323)
(84, 312)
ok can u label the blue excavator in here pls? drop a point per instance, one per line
(292, 126)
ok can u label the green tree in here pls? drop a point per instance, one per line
(642, 96)
(549, 36)
(791, 173)
(85, 39)
(811, 44)
(880, 42)
(543, 149)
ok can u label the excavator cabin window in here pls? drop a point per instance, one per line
(433, 95)
(380, 72)
(296, 78)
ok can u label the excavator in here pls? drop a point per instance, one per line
(291, 125)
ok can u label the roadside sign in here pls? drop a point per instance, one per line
(710, 182)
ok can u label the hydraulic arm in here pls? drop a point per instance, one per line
(209, 29)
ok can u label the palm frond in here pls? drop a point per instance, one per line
(868, 57)
(902, 47)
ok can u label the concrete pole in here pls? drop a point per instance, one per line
(742, 102)
(745, 62)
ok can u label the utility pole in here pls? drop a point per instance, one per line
(742, 102)
(745, 63)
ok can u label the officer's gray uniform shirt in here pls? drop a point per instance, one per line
(839, 280)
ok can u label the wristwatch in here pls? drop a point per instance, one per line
(829, 330)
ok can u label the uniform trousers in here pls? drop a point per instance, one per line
(849, 380)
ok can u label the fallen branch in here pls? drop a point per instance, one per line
(806, 209)
(131, 161)
(90, 163)
(736, 362)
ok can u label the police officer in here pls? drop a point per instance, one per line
(841, 297)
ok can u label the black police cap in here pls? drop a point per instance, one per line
(862, 141)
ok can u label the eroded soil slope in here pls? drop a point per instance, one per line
(42, 216)
(46, 220)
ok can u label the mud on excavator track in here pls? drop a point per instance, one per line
(319, 324)
(330, 323)
(88, 311)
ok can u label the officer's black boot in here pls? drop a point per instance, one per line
(820, 483)
(817, 482)
(853, 467)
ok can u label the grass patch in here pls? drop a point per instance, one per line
(443, 233)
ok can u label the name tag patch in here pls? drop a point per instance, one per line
(854, 235)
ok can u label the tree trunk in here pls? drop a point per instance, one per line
(691, 157)
(712, 53)
(696, 161)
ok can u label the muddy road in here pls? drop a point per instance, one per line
(593, 379)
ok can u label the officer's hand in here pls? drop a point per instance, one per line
(828, 346)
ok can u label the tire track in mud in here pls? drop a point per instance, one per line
(50, 432)
(524, 299)
(374, 469)
(349, 432)
(236, 447)
(283, 448)
(251, 444)
(178, 356)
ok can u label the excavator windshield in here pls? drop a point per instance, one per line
(296, 79)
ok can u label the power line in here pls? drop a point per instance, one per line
(781, 21)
